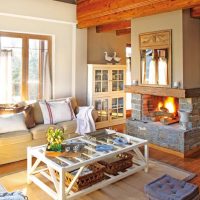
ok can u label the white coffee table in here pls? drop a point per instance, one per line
(62, 165)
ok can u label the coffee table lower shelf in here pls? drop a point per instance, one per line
(74, 195)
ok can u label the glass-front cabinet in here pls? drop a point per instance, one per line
(117, 80)
(117, 108)
(106, 93)
(101, 81)
(101, 105)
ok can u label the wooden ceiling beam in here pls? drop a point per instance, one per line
(98, 8)
(123, 31)
(195, 12)
(113, 26)
(88, 18)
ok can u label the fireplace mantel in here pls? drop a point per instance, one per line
(162, 91)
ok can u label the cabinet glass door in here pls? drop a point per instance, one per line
(101, 81)
(101, 105)
(117, 108)
(117, 80)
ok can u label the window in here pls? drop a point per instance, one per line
(25, 63)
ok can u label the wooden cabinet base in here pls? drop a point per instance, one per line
(106, 124)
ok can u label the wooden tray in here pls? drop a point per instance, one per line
(61, 154)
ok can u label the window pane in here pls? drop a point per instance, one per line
(38, 50)
(10, 69)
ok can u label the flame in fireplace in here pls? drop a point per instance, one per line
(160, 105)
(169, 103)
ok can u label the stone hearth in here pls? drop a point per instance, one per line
(166, 136)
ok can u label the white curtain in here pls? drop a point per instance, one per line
(162, 71)
(6, 76)
(128, 82)
(143, 70)
(47, 78)
(152, 72)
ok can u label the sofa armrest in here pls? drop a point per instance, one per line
(94, 115)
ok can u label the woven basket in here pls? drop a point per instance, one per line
(84, 181)
(119, 163)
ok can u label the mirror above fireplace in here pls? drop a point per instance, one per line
(155, 58)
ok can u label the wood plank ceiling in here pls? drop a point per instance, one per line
(116, 14)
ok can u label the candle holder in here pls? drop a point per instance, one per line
(135, 82)
(176, 84)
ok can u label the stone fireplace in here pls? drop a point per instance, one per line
(155, 104)
(155, 118)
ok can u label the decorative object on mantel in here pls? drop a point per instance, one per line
(176, 84)
(108, 58)
(135, 82)
(116, 59)
(184, 119)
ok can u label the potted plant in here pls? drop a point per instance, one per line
(55, 137)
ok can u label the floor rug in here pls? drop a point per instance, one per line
(130, 188)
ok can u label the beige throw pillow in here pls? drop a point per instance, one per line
(15, 122)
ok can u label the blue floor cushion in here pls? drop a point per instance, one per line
(169, 188)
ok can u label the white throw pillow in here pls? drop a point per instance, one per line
(15, 122)
(56, 111)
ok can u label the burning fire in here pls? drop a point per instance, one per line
(169, 104)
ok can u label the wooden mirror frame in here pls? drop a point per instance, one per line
(157, 40)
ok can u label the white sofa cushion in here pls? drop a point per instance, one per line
(56, 111)
(15, 122)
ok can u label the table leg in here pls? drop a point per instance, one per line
(146, 155)
(74, 180)
(29, 164)
(62, 186)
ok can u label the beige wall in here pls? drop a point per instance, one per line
(98, 43)
(172, 20)
(191, 42)
(47, 9)
(81, 67)
(53, 18)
